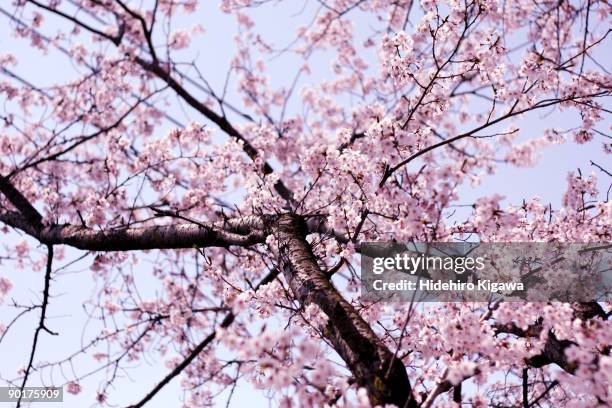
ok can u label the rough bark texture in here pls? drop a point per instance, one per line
(371, 362)
(243, 232)
(554, 349)
(31, 216)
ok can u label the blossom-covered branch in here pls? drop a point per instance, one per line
(172, 159)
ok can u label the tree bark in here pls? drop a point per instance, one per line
(373, 365)
(244, 232)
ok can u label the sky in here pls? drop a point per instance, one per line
(212, 52)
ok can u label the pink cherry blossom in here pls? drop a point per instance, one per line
(73, 388)
(193, 182)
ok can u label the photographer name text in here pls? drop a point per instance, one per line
(449, 285)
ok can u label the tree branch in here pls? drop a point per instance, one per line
(542, 104)
(221, 121)
(239, 232)
(368, 358)
(41, 322)
(114, 39)
(27, 210)
(228, 320)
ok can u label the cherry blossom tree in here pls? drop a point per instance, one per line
(252, 212)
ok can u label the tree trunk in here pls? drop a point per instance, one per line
(372, 364)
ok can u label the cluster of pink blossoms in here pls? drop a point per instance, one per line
(391, 110)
